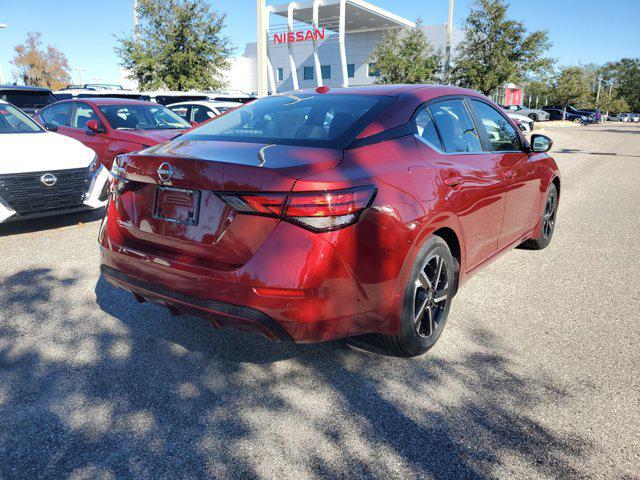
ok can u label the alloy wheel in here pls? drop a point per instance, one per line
(431, 294)
(549, 216)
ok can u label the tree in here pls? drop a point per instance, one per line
(625, 75)
(41, 68)
(573, 86)
(496, 50)
(406, 57)
(178, 45)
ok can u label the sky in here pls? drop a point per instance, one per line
(582, 31)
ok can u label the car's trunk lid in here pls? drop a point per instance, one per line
(213, 231)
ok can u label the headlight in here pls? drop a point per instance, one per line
(94, 165)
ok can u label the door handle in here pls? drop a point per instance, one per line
(453, 181)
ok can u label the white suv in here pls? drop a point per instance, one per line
(43, 173)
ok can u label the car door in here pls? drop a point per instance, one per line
(520, 170)
(80, 115)
(56, 116)
(475, 187)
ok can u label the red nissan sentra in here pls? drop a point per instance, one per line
(316, 215)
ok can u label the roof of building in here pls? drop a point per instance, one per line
(361, 16)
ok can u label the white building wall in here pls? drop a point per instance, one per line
(359, 46)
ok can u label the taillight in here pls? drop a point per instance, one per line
(316, 211)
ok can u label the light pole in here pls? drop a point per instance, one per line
(447, 50)
(79, 70)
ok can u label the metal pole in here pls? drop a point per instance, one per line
(447, 54)
(261, 63)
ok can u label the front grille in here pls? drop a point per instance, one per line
(27, 195)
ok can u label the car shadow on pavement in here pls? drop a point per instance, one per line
(124, 390)
(50, 223)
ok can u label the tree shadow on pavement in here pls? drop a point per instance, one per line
(123, 390)
(50, 223)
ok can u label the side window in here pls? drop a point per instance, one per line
(425, 128)
(202, 113)
(57, 115)
(182, 110)
(457, 131)
(502, 136)
(82, 114)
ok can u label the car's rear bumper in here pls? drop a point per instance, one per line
(283, 293)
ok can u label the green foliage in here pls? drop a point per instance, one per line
(497, 50)
(179, 46)
(573, 87)
(40, 67)
(625, 76)
(406, 57)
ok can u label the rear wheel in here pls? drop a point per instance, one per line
(548, 221)
(533, 117)
(427, 301)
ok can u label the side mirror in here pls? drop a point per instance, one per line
(51, 127)
(193, 123)
(541, 143)
(94, 126)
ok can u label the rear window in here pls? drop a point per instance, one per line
(324, 120)
(27, 99)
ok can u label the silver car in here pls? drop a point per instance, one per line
(620, 117)
(533, 113)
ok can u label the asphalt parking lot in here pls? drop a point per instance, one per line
(535, 376)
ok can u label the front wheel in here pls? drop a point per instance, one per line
(548, 222)
(427, 301)
(533, 117)
(577, 120)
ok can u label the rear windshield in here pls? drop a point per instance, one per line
(169, 99)
(324, 120)
(27, 99)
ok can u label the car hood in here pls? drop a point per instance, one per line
(522, 118)
(38, 152)
(148, 137)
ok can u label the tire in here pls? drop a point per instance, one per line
(533, 117)
(427, 298)
(548, 221)
(577, 120)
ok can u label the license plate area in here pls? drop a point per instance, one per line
(177, 205)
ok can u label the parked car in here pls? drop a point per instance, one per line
(573, 111)
(620, 117)
(635, 117)
(525, 123)
(557, 114)
(43, 173)
(231, 96)
(93, 92)
(27, 99)
(168, 97)
(201, 111)
(330, 213)
(594, 113)
(534, 114)
(111, 126)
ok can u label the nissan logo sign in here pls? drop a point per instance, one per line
(48, 179)
(165, 172)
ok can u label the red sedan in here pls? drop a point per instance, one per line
(111, 126)
(323, 214)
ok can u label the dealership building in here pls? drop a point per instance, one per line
(321, 42)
